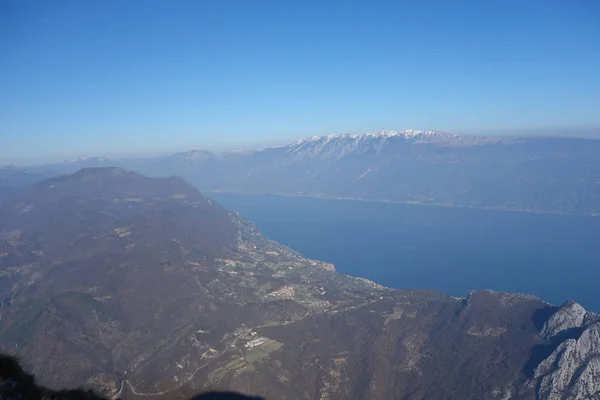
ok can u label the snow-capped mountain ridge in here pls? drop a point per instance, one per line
(340, 145)
(383, 134)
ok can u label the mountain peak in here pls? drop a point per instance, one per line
(118, 184)
(97, 175)
(193, 155)
(104, 172)
(194, 150)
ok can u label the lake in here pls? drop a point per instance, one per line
(454, 250)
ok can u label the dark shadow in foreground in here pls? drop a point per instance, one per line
(15, 384)
(224, 396)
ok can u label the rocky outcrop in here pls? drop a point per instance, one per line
(570, 316)
(572, 371)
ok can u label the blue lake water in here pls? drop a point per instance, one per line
(454, 250)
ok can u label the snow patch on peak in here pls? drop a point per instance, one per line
(100, 159)
(383, 134)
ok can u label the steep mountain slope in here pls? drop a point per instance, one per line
(143, 288)
(572, 370)
(104, 272)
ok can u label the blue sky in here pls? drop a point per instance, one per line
(136, 77)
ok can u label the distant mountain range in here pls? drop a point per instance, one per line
(143, 288)
(538, 174)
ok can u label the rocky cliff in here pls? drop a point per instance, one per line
(572, 370)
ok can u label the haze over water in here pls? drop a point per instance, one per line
(454, 250)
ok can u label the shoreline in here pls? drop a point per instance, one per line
(414, 203)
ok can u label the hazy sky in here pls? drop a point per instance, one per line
(107, 77)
